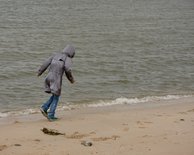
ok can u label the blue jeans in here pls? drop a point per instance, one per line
(51, 104)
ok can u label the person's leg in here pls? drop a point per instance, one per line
(53, 106)
(46, 105)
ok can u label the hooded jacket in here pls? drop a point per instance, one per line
(59, 63)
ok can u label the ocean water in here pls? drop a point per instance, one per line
(127, 51)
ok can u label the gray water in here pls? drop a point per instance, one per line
(125, 48)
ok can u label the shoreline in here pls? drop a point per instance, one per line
(155, 128)
(119, 103)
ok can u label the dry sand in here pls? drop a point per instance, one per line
(162, 128)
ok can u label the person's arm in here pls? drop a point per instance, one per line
(69, 76)
(44, 66)
(68, 69)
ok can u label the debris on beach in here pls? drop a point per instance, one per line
(17, 145)
(86, 143)
(51, 132)
(76, 135)
(114, 137)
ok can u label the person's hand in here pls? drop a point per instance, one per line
(38, 74)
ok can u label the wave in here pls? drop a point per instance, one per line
(18, 113)
(123, 100)
(101, 103)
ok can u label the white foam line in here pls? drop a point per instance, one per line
(3, 114)
(124, 100)
(118, 101)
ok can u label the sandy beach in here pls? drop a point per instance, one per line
(162, 128)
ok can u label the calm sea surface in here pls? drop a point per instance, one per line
(125, 49)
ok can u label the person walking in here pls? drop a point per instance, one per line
(58, 63)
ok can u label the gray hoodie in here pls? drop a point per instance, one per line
(59, 63)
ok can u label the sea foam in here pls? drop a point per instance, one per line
(101, 103)
(124, 100)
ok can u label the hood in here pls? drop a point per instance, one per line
(69, 51)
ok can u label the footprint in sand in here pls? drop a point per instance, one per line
(92, 133)
(158, 115)
(2, 147)
(183, 113)
(37, 140)
(147, 136)
(142, 124)
(192, 110)
(126, 129)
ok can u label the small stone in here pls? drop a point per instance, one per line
(86, 143)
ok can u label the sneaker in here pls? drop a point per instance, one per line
(44, 113)
(52, 118)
